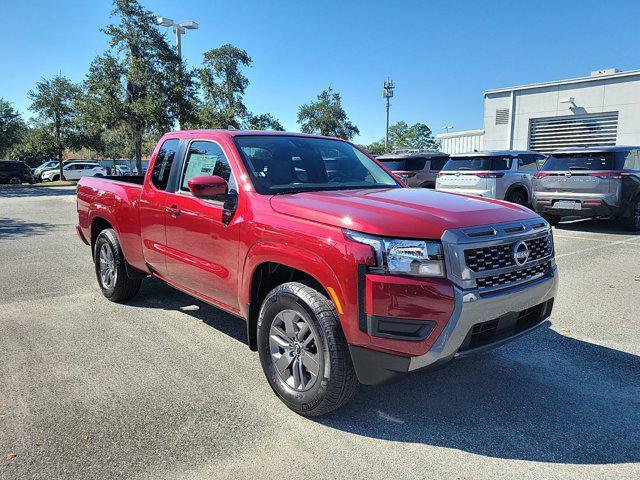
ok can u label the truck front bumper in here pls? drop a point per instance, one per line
(478, 323)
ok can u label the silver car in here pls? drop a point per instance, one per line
(503, 175)
(416, 169)
(590, 182)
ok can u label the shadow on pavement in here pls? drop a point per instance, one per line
(545, 397)
(10, 227)
(593, 225)
(157, 294)
(13, 191)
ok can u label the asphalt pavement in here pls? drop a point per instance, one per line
(165, 387)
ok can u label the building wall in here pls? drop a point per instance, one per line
(461, 142)
(601, 95)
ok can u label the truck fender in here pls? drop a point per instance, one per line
(291, 256)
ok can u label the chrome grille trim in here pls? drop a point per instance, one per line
(503, 273)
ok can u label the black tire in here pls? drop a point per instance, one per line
(15, 180)
(121, 287)
(518, 197)
(55, 178)
(552, 219)
(336, 382)
(632, 222)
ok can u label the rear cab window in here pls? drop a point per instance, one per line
(163, 163)
(480, 163)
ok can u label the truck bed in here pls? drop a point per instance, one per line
(137, 179)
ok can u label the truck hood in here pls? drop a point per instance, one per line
(398, 212)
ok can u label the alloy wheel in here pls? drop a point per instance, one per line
(636, 216)
(294, 350)
(107, 266)
(15, 181)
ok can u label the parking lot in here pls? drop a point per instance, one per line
(165, 387)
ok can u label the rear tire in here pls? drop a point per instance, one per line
(552, 219)
(111, 271)
(303, 352)
(517, 197)
(632, 223)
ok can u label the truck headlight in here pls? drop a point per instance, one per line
(422, 258)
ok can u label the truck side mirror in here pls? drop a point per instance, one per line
(207, 187)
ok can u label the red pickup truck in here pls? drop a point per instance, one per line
(342, 274)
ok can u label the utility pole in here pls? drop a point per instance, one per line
(179, 29)
(387, 93)
(446, 128)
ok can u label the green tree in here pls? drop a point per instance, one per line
(53, 101)
(36, 145)
(263, 122)
(139, 85)
(223, 86)
(416, 137)
(375, 148)
(11, 127)
(326, 116)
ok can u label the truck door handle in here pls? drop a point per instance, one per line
(173, 210)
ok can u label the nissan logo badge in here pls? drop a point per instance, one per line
(520, 253)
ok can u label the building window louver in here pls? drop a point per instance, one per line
(549, 134)
(502, 116)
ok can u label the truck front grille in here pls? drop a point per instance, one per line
(504, 279)
(500, 256)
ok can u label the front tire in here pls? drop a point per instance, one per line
(111, 271)
(303, 352)
(15, 181)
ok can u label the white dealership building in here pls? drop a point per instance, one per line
(601, 109)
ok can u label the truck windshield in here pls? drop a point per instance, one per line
(283, 164)
(581, 161)
(478, 163)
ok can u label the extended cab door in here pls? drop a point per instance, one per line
(202, 242)
(153, 204)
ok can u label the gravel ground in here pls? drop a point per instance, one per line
(165, 387)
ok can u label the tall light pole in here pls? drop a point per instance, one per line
(179, 29)
(387, 93)
(446, 128)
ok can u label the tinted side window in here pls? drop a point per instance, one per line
(438, 163)
(632, 160)
(164, 160)
(206, 158)
(501, 163)
(528, 162)
(414, 164)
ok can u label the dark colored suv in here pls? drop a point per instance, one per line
(15, 172)
(590, 182)
(416, 169)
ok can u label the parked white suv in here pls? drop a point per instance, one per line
(503, 175)
(75, 171)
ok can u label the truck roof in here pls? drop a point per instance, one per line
(596, 149)
(418, 154)
(239, 133)
(492, 153)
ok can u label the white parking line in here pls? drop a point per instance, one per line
(582, 238)
(628, 240)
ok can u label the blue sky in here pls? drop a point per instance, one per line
(442, 55)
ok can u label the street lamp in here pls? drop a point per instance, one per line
(179, 29)
(387, 93)
(446, 128)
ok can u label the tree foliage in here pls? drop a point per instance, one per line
(54, 103)
(12, 127)
(415, 137)
(140, 85)
(326, 116)
(266, 121)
